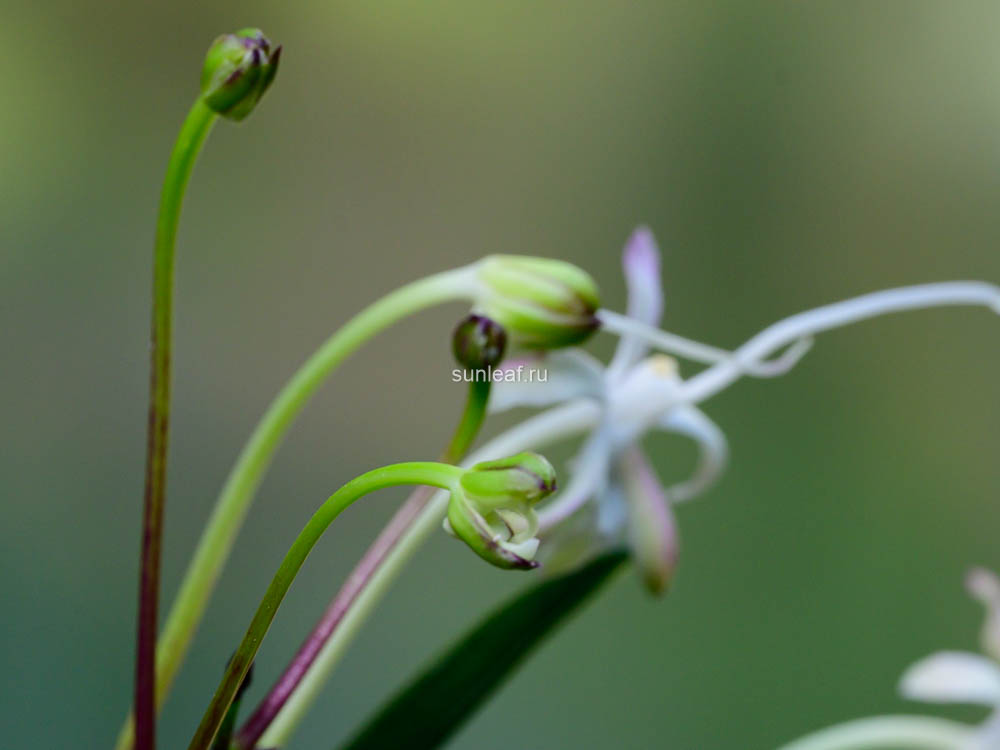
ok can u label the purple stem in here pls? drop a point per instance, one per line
(272, 703)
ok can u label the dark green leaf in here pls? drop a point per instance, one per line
(436, 703)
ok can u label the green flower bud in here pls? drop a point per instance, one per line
(238, 69)
(542, 303)
(478, 342)
(491, 508)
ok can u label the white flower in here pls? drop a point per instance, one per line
(637, 393)
(963, 677)
(944, 677)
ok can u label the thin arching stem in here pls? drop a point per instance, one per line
(237, 494)
(269, 707)
(438, 475)
(186, 149)
(543, 429)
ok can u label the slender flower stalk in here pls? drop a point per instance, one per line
(237, 493)
(533, 434)
(462, 439)
(193, 133)
(436, 475)
(286, 685)
(255, 61)
(531, 317)
(506, 487)
(553, 306)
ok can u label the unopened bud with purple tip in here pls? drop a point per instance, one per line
(492, 510)
(478, 343)
(238, 70)
(542, 303)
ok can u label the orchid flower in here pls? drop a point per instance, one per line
(944, 677)
(611, 464)
(638, 392)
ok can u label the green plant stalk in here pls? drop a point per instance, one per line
(237, 493)
(473, 415)
(439, 475)
(534, 433)
(192, 136)
(469, 424)
(225, 733)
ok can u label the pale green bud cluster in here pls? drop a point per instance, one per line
(540, 302)
(238, 70)
(491, 508)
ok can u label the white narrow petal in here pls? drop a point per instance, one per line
(518, 524)
(588, 478)
(652, 528)
(663, 341)
(567, 373)
(610, 518)
(889, 733)
(953, 677)
(641, 264)
(785, 332)
(713, 450)
(526, 549)
(985, 587)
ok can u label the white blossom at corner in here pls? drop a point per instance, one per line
(943, 677)
(953, 677)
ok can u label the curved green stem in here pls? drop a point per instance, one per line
(439, 475)
(543, 429)
(360, 577)
(471, 420)
(192, 135)
(889, 732)
(234, 500)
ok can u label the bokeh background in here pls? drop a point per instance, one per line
(786, 154)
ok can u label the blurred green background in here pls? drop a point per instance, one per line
(786, 154)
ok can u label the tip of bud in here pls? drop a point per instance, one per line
(542, 303)
(238, 69)
(526, 477)
(491, 509)
(478, 343)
